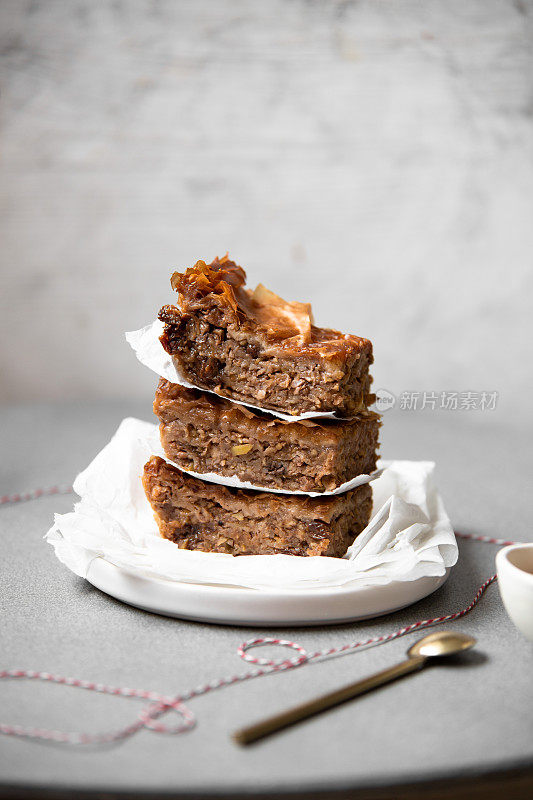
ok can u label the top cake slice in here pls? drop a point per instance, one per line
(257, 348)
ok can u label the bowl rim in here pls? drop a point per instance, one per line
(503, 556)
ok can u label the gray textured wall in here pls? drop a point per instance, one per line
(373, 157)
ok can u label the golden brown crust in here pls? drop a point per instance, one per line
(207, 409)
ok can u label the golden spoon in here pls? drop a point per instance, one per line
(443, 643)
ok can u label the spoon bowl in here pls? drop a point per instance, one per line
(442, 643)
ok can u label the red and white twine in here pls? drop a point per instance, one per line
(10, 499)
(159, 704)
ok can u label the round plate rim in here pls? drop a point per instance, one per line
(229, 605)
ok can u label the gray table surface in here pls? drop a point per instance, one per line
(457, 718)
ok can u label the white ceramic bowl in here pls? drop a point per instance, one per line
(514, 565)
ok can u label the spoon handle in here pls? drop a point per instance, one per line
(311, 707)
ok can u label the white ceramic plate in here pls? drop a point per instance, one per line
(270, 608)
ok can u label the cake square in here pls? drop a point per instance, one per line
(197, 515)
(203, 432)
(257, 348)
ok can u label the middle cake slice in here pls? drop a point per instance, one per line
(204, 433)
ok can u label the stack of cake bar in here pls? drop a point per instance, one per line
(261, 360)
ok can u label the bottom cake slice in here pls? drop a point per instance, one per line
(197, 515)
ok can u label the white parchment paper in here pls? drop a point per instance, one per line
(150, 352)
(233, 480)
(408, 537)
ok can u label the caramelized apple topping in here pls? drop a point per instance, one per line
(224, 281)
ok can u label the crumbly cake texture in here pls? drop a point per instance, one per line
(197, 515)
(205, 433)
(257, 348)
